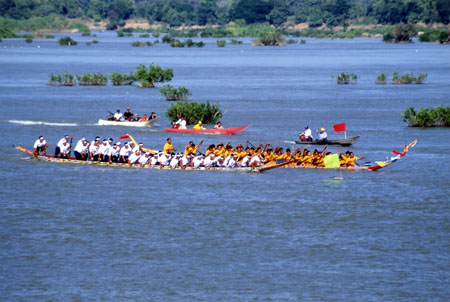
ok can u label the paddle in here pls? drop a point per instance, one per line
(273, 166)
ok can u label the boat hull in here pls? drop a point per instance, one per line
(224, 131)
(342, 142)
(148, 123)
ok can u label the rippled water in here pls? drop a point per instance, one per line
(77, 233)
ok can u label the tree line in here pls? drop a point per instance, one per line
(202, 12)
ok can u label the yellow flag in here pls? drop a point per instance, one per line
(332, 161)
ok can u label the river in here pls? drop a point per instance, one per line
(87, 233)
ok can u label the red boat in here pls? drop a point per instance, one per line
(223, 131)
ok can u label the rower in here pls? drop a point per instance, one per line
(103, 150)
(168, 147)
(144, 159)
(218, 125)
(40, 145)
(134, 157)
(198, 126)
(114, 153)
(351, 160)
(66, 138)
(322, 135)
(125, 151)
(81, 149)
(118, 116)
(93, 149)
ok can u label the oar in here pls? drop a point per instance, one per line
(273, 166)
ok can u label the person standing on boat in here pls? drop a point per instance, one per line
(66, 138)
(128, 115)
(118, 116)
(168, 147)
(40, 145)
(322, 135)
(81, 149)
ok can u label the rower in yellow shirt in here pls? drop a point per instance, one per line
(168, 147)
(351, 160)
(198, 126)
(191, 148)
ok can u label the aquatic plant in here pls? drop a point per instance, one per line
(64, 79)
(144, 36)
(67, 41)
(346, 78)
(95, 79)
(221, 43)
(175, 94)
(94, 41)
(121, 79)
(292, 41)
(269, 37)
(121, 33)
(427, 117)
(49, 36)
(148, 77)
(235, 42)
(381, 78)
(28, 40)
(167, 39)
(408, 78)
(441, 36)
(194, 112)
(177, 43)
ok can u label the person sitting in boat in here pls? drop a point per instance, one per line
(168, 147)
(128, 115)
(93, 149)
(191, 149)
(350, 161)
(135, 118)
(152, 116)
(66, 138)
(218, 125)
(144, 118)
(198, 126)
(64, 150)
(322, 135)
(114, 153)
(306, 135)
(180, 124)
(118, 116)
(40, 146)
(134, 157)
(81, 149)
(125, 151)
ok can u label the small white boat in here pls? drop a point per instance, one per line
(148, 123)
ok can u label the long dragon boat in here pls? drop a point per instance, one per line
(372, 167)
(214, 131)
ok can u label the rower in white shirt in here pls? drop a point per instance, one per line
(181, 123)
(209, 161)
(93, 149)
(66, 138)
(81, 149)
(197, 161)
(144, 159)
(103, 151)
(134, 157)
(175, 161)
(125, 153)
(64, 150)
(114, 153)
(40, 145)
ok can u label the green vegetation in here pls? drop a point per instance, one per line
(121, 79)
(269, 37)
(175, 94)
(64, 79)
(408, 78)
(441, 36)
(94, 41)
(148, 77)
(381, 78)
(177, 43)
(142, 44)
(194, 112)
(124, 33)
(400, 34)
(221, 43)
(53, 23)
(49, 36)
(67, 41)
(346, 78)
(95, 79)
(235, 42)
(427, 117)
(28, 40)
(190, 43)
(144, 36)
(167, 39)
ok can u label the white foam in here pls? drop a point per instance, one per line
(29, 123)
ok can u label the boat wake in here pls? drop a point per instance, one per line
(30, 123)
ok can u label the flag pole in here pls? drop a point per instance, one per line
(345, 134)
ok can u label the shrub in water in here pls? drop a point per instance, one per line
(175, 94)
(346, 78)
(121, 79)
(194, 112)
(67, 41)
(221, 43)
(154, 73)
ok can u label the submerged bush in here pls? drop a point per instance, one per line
(221, 43)
(175, 94)
(267, 37)
(441, 36)
(235, 42)
(64, 79)
(28, 40)
(154, 73)
(408, 78)
(121, 79)
(95, 79)
(194, 112)
(400, 34)
(67, 41)
(381, 78)
(427, 117)
(346, 78)
(177, 43)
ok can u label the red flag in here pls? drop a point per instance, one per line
(339, 127)
(124, 137)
